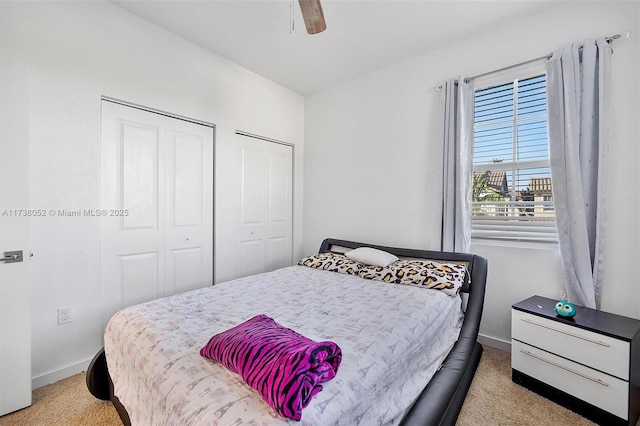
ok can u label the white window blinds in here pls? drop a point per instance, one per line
(512, 189)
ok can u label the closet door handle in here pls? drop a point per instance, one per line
(593, 379)
(597, 342)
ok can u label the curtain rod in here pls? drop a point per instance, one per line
(608, 39)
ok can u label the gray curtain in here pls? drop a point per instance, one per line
(577, 92)
(457, 142)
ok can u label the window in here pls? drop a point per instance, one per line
(512, 198)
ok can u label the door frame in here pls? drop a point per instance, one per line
(161, 112)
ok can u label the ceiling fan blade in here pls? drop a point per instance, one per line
(313, 16)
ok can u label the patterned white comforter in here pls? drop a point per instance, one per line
(393, 338)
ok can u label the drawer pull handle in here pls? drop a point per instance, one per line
(597, 342)
(598, 381)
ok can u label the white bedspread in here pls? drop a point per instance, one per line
(393, 338)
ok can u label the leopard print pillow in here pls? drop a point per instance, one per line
(332, 262)
(378, 273)
(447, 277)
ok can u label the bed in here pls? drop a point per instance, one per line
(378, 326)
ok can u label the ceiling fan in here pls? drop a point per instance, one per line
(313, 16)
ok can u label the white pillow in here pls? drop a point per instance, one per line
(371, 256)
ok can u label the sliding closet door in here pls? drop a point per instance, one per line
(188, 207)
(266, 206)
(157, 192)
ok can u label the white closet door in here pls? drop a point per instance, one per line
(188, 207)
(157, 192)
(266, 206)
(15, 295)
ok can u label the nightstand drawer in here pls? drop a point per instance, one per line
(599, 389)
(600, 352)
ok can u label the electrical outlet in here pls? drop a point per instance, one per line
(64, 315)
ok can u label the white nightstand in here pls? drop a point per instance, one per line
(589, 363)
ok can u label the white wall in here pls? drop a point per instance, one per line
(372, 161)
(74, 53)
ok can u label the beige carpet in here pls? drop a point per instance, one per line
(492, 400)
(68, 403)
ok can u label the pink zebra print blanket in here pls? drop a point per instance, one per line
(286, 368)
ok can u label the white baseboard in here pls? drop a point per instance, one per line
(56, 376)
(494, 342)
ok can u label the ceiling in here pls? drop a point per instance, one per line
(362, 36)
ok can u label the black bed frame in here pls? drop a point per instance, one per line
(440, 402)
